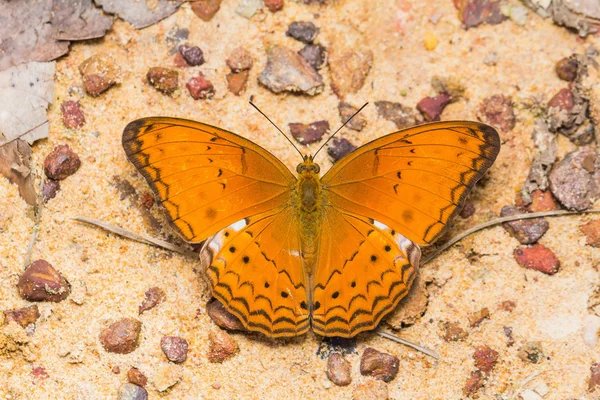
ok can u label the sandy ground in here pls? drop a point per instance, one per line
(114, 273)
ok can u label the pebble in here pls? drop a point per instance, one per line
(531, 352)
(163, 79)
(274, 5)
(247, 8)
(591, 230)
(41, 282)
(371, 390)
(497, 110)
(563, 100)
(594, 377)
(154, 296)
(339, 370)
(200, 87)
(147, 200)
(566, 68)
(537, 257)
(346, 111)
(23, 316)
(50, 189)
(72, 114)
(508, 332)
(175, 348)
(508, 305)
(205, 9)
(430, 41)
(473, 384)
(348, 70)
(431, 107)
(192, 55)
(485, 358)
(236, 81)
(591, 329)
(308, 133)
(39, 373)
(402, 116)
(129, 391)
(468, 210)
(179, 61)
(542, 201)
(476, 318)
(379, 365)
(99, 73)
(339, 148)
(223, 318)
(239, 60)
(288, 71)
(121, 337)
(136, 377)
(221, 346)
(476, 12)
(314, 54)
(304, 31)
(526, 231)
(491, 58)
(574, 180)
(61, 162)
(166, 376)
(453, 332)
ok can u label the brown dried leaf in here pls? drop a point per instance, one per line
(15, 159)
(78, 20)
(140, 14)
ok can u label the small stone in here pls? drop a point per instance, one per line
(304, 31)
(402, 116)
(23, 316)
(308, 133)
(339, 370)
(567, 68)
(591, 330)
(61, 163)
(526, 231)
(147, 200)
(205, 9)
(563, 100)
(349, 70)
(41, 282)
(166, 376)
(531, 352)
(239, 60)
(574, 180)
(39, 373)
(591, 230)
(542, 201)
(485, 358)
(537, 257)
(163, 79)
(221, 346)
(223, 318)
(314, 54)
(371, 390)
(50, 189)
(236, 82)
(99, 73)
(450, 85)
(468, 210)
(476, 12)
(346, 111)
(200, 88)
(288, 71)
(491, 58)
(175, 348)
(430, 41)
(594, 381)
(474, 383)
(72, 114)
(379, 365)
(247, 8)
(508, 333)
(179, 61)
(116, 370)
(508, 305)
(274, 5)
(154, 296)
(121, 337)
(453, 332)
(129, 391)
(216, 386)
(339, 148)
(192, 55)
(431, 107)
(497, 110)
(136, 377)
(476, 318)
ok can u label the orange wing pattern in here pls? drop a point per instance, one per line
(205, 177)
(413, 180)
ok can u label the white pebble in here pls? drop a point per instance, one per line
(591, 327)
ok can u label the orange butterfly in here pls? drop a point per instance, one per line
(336, 252)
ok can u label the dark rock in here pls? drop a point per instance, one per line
(314, 54)
(339, 148)
(50, 189)
(223, 318)
(129, 391)
(154, 296)
(288, 71)
(163, 79)
(175, 348)
(304, 31)
(563, 100)
(476, 12)
(41, 282)
(61, 163)
(567, 68)
(574, 181)
(239, 60)
(346, 111)
(485, 358)
(537, 257)
(205, 9)
(526, 231)
(200, 87)
(236, 82)
(339, 370)
(531, 352)
(508, 332)
(122, 337)
(431, 107)
(402, 116)
(468, 210)
(308, 133)
(497, 111)
(72, 114)
(379, 365)
(192, 55)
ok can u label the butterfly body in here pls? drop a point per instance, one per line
(286, 253)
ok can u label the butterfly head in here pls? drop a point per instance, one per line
(308, 166)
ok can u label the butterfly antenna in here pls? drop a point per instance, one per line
(339, 129)
(276, 127)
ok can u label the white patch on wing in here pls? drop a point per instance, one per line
(294, 253)
(238, 225)
(380, 225)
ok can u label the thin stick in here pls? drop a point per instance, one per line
(36, 224)
(340, 128)
(498, 221)
(276, 127)
(405, 342)
(138, 238)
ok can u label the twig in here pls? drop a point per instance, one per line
(405, 342)
(36, 224)
(138, 238)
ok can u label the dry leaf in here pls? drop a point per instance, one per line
(79, 20)
(138, 13)
(15, 158)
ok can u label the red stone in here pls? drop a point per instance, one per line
(563, 100)
(542, 201)
(591, 230)
(200, 88)
(72, 114)
(537, 257)
(431, 107)
(485, 358)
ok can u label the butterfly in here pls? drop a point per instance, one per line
(288, 252)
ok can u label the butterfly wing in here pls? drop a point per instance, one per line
(416, 179)
(205, 177)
